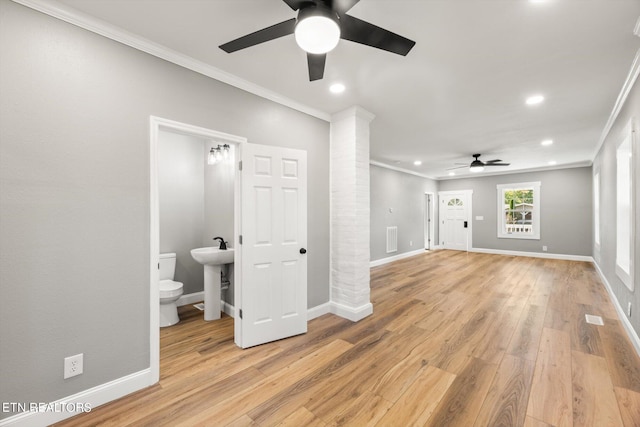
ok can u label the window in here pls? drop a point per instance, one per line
(596, 210)
(624, 207)
(519, 211)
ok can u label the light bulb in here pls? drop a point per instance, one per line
(225, 152)
(218, 154)
(317, 34)
(211, 158)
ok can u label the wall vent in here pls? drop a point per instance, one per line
(392, 239)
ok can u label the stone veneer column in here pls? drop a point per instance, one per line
(350, 216)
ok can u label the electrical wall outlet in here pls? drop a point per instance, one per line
(73, 365)
(629, 310)
(544, 249)
(410, 242)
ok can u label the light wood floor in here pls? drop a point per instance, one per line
(455, 339)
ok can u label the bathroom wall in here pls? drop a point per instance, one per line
(404, 194)
(219, 188)
(74, 195)
(196, 203)
(181, 199)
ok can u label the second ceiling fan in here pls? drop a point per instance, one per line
(319, 26)
(478, 165)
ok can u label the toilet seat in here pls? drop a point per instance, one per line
(169, 289)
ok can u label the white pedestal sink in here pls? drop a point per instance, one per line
(213, 259)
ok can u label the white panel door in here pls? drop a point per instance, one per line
(273, 298)
(455, 223)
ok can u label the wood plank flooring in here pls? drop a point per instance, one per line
(456, 339)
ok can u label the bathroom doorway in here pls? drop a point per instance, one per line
(199, 202)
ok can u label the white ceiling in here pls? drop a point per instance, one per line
(460, 91)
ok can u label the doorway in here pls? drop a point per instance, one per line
(455, 219)
(158, 125)
(429, 221)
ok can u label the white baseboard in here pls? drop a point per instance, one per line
(190, 298)
(318, 310)
(228, 308)
(352, 313)
(387, 260)
(633, 336)
(533, 254)
(92, 397)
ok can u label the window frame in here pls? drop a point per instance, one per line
(625, 204)
(597, 208)
(535, 186)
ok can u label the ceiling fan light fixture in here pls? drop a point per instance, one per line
(476, 169)
(317, 31)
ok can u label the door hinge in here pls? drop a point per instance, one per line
(240, 165)
(240, 239)
(158, 266)
(241, 313)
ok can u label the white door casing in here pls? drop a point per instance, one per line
(455, 219)
(273, 300)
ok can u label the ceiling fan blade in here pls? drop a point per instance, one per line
(316, 65)
(359, 31)
(458, 167)
(497, 164)
(343, 6)
(295, 4)
(493, 161)
(270, 33)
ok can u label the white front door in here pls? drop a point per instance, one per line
(273, 298)
(455, 223)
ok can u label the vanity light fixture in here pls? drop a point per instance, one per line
(218, 154)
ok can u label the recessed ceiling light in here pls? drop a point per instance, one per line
(417, 163)
(552, 162)
(337, 88)
(547, 142)
(535, 100)
(452, 173)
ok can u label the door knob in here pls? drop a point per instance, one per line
(303, 251)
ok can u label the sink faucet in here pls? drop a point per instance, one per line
(223, 244)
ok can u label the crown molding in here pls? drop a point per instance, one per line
(105, 29)
(622, 97)
(583, 164)
(397, 169)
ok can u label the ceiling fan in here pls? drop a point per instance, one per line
(478, 165)
(318, 28)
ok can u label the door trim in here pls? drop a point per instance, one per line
(157, 124)
(468, 194)
(429, 227)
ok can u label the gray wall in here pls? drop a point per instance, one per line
(74, 195)
(404, 194)
(605, 162)
(565, 210)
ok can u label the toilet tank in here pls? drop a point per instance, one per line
(167, 266)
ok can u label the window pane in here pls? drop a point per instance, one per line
(518, 208)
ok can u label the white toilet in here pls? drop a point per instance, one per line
(170, 291)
